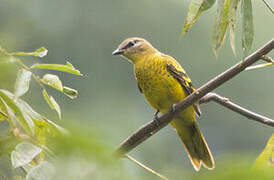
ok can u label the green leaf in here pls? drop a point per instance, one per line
(247, 26)
(266, 159)
(44, 128)
(58, 67)
(24, 153)
(17, 117)
(3, 115)
(221, 25)
(24, 106)
(52, 103)
(44, 171)
(72, 93)
(41, 52)
(232, 23)
(259, 66)
(195, 9)
(53, 81)
(22, 82)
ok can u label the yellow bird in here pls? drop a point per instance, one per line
(164, 83)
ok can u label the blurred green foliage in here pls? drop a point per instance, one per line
(109, 107)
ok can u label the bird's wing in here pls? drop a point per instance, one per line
(180, 75)
(141, 91)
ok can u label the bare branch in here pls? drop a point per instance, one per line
(152, 127)
(268, 6)
(236, 108)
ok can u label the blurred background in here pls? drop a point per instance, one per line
(109, 102)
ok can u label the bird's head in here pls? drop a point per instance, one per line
(135, 49)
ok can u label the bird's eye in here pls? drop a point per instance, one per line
(131, 43)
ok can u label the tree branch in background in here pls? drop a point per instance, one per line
(145, 167)
(152, 127)
(236, 108)
(268, 6)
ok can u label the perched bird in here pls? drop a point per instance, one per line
(164, 83)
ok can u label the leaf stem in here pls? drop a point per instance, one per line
(145, 167)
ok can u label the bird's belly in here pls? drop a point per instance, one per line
(162, 91)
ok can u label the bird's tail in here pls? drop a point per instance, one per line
(195, 144)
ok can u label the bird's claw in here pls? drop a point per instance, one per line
(155, 118)
(172, 108)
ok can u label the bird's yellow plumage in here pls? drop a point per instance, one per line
(164, 82)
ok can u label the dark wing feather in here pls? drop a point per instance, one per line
(141, 91)
(185, 82)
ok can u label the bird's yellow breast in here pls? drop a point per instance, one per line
(159, 87)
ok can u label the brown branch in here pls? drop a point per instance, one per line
(152, 127)
(236, 108)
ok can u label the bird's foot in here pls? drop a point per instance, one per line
(155, 118)
(172, 108)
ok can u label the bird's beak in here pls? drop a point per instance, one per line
(118, 52)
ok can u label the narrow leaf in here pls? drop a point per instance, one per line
(3, 116)
(52, 103)
(247, 26)
(265, 160)
(24, 106)
(58, 67)
(72, 93)
(195, 9)
(44, 171)
(24, 153)
(17, 117)
(232, 23)
(221, 25)
(53, 81)
(259, 66)
(22, 82)
(41, 52)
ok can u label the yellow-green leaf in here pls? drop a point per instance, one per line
(221, 25)
(22, 82)
(41, 52)
(259, 66)
(3, 115)
(53, 81)
(247, 26)
(195, 9)
(24, 153)
(266, 159)
(232, 23)
(52, 103)
(72, 93)
(17, 117)
(58, 67)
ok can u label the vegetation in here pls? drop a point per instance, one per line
(34, 147)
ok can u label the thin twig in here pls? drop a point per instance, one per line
(145, 167)
(236, 108)
(153, 127)
(269, 7)
(267, 59)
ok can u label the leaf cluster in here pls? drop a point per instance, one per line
(25, 133)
